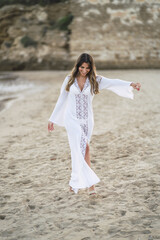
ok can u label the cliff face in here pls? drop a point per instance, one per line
(118, 33)
(34, 37)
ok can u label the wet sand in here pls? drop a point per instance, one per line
(35, 202)
(13, 88)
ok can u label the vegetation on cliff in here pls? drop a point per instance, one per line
(27, 42)
(62, 23)
(29, 2)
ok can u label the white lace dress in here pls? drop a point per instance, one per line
(73, 111)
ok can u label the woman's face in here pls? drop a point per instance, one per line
(84, 69)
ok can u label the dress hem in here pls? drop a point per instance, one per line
(76, 189)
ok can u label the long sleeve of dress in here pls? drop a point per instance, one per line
(58, 113)
(120, 87)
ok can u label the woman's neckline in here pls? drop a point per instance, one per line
(83, 85)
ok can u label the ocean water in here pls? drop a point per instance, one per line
(12, 87)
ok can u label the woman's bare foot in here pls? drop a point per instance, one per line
(92, 188)
(92, 192)
(70, 189)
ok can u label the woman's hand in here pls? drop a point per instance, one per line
(50, 126)
(136, 86)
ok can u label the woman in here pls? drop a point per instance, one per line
(73, 110)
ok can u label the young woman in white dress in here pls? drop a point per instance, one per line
(73, 111)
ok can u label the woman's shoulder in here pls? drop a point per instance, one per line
(67, 76)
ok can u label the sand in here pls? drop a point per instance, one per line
(35, 202)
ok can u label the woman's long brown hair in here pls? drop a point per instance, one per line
(85, 58)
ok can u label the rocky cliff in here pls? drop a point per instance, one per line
(118, 33)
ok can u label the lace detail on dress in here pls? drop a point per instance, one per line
(82, 114)
(83, 143)
(81, 106)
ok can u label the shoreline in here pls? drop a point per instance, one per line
(13, 88)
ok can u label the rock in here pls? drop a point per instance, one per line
(41, 16)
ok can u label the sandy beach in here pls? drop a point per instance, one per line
(35, 166)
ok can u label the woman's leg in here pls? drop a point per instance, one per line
(87, 155)
(87, 158)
